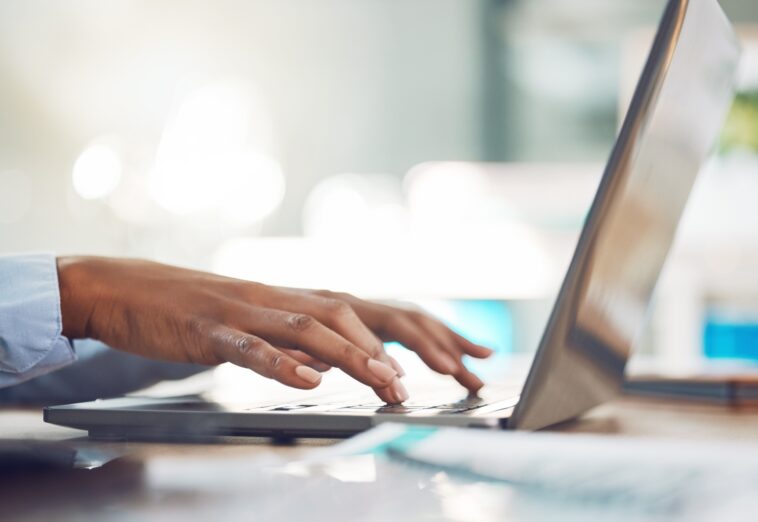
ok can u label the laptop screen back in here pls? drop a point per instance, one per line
(678, 109)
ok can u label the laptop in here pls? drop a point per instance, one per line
(675, 116)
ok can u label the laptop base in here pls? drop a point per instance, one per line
(196, 419)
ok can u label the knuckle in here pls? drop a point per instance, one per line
(198, 327)
(275, 362)
(343, 295)
(251, 291)
(376, 351)
(200, 339)
(329, 294)
(396, 322)
(300, 322)
(254, 287)
(338, 308)
(417, 316)
(346, 352)
(247, 345)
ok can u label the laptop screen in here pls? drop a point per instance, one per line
(674, 119)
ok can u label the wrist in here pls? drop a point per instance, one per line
(75, 287)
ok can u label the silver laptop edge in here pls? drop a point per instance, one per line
(674, 118)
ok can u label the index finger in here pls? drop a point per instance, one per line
(338, 315)
(306, 334)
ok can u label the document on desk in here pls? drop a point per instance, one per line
(653, 476)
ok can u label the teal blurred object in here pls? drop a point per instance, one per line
(727, 337)
(485, 322)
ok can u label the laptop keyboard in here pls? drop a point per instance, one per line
(496, 400)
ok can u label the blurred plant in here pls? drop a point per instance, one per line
(741, 129)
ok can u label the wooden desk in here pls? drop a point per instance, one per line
(153, 480)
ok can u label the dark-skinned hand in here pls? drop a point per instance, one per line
(290, 335)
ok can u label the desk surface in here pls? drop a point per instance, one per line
(154, 481)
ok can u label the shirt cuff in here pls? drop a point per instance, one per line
(31, 340)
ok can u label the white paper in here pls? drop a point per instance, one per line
(643, 475)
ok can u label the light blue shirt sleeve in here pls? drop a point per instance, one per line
(31, 343)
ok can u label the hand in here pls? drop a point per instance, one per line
(175, 314)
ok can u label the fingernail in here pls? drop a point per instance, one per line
(308, 374)
(449, 362)
(397, 367)
(401, 394)
(381, 370)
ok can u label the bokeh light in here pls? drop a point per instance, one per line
(256, 188)
(97, 171)
(442, 194)
(354, 205)
(208, 160)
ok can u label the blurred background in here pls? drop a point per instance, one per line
(441, 151)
